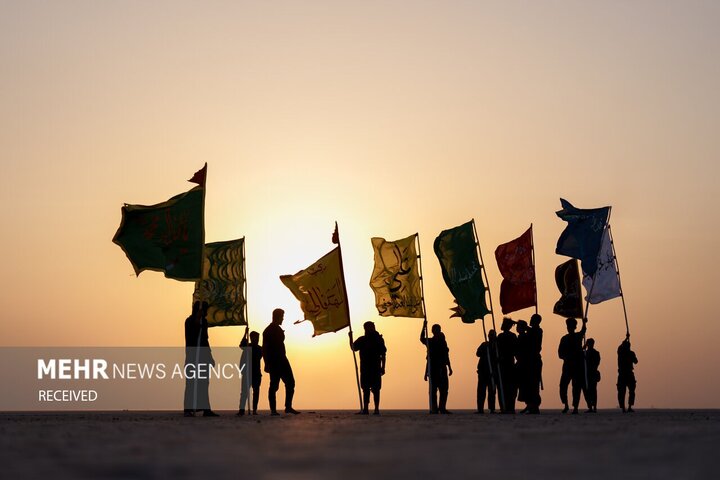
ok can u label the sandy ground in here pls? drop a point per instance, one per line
(654, 444)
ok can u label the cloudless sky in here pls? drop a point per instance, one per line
(391, 117)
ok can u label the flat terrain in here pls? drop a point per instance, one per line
(673, 444)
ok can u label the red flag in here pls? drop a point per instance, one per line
(515, 261)
(199, 176)
(336, 236)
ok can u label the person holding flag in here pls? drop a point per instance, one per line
(372, 364)
(437, 367)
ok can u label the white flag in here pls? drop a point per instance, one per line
(606, 281)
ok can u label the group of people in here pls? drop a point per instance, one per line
(509, 366)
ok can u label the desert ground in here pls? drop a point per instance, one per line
(673, 444)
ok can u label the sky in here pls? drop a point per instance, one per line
(391, 118)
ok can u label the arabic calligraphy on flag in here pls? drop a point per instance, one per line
(582, 236)
(395, 279)
(320, 289)
(605, 284)
(223, 283)
(514, 259)
(168, 236)
(456, 250)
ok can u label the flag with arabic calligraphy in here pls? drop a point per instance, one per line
(515, 261)
(223, 283)
(320, 289)
(605, 284)
(582, 237)
(456, 250)
(167, 237)
(395, 278)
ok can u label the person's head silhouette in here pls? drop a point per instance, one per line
(436, 330)
(254, 337)
(369, 327)
(522, 326)
(492, 335)
(535, 320)
(507, 324)
(278, 315)
(571, 324)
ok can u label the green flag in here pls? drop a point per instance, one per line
(167, 237)
(223, 283)
(455, 248)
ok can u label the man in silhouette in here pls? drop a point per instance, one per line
(277, 363)
(626, 376)
(251, 356)
(570, 352)
(487, 373)
(507, 352)
(199, 357)
(592, 359)
(523, 365)
(372, 364)
(535, 334)
(437, 367)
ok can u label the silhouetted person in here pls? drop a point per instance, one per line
(523, 365)
(372, 364)
(197, 354)
(253, 363)
(535, 367)
(507, 345)
(487, 373)
(437, 367)
(592, 359)
(277, 363)
(626, 376)
(570, 351)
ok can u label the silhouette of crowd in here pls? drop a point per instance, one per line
(509, 367)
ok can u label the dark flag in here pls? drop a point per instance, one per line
(567, 278)
(457, 252)
(169, 236)
(582, 237)
(514, 259)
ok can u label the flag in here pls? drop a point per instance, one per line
(166, 237)
(567, 278)
(582, 237)
(223, 283)
(335, 236)
(320, 289)
(395, 278)
(455, 249)
(515, 261)
(605, 284)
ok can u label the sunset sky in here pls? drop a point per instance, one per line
(391, 117)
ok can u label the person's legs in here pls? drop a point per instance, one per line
(376, 398)
(289, 381)
(565, 379)
(272, 391)
(481, 386)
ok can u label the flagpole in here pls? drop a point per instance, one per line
(427, 338)
(617, 271)
(250, 394)
(532, 250)
(347, 310)
(492, 313)
(489, 360)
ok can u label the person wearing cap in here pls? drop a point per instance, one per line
(570, 352)
(535, 366)
(437, 367)
(626, 376)
(507, 352)
(372, 364)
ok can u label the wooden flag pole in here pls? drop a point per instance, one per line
(347, 309)
(427, 338)
(246, 378)
(492, 313)
(617, 270)
(532, 250)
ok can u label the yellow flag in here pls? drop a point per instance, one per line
(395, 278)
(320, 288)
